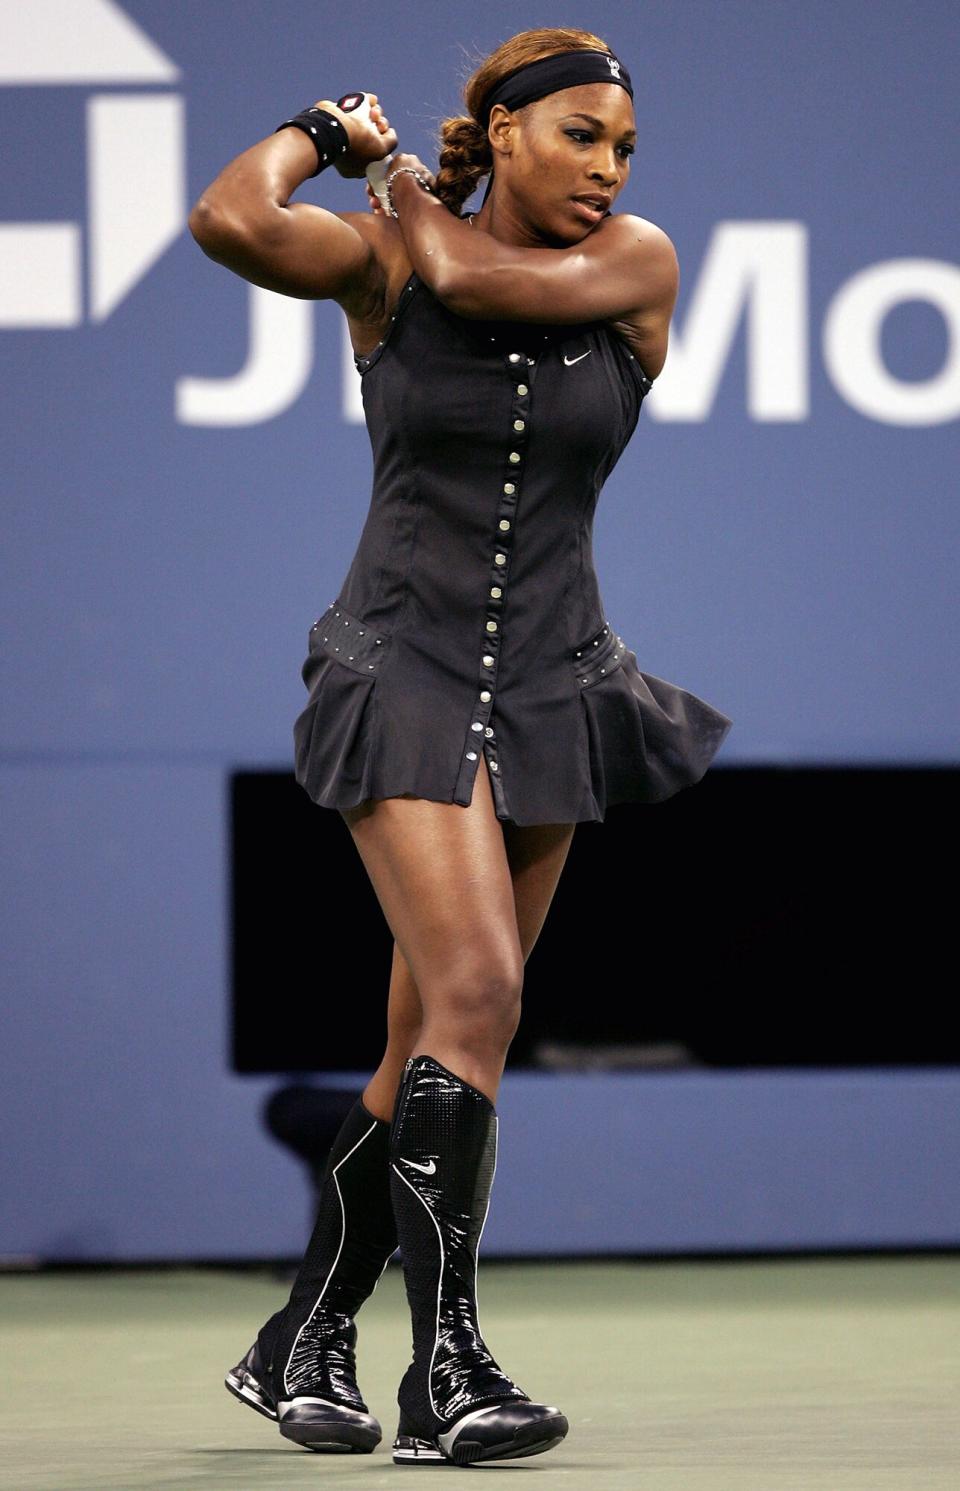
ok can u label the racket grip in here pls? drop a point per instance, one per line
(377, 177)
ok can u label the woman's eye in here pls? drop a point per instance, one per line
(576, 134)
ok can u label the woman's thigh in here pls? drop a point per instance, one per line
(536, 856)
(443, 879)
(469, 844)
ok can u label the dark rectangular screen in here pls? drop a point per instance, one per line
(766, 916)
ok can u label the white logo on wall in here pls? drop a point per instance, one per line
(756, 274)
(752, 273)
(135, 162)
(136, 173)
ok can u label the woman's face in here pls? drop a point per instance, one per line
(571, 144)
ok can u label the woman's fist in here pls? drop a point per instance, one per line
(408, 159)
(368, 132)
(404, 158)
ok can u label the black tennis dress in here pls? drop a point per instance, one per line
(470, 620)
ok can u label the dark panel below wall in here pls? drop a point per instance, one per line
(766, 917)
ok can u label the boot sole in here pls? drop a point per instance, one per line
(328, 1428)
(528, 1439)
(324, 1435)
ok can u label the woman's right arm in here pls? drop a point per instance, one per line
(245, 220)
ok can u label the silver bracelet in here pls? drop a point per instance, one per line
(399, 172)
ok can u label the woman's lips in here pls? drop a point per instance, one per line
(588, 213)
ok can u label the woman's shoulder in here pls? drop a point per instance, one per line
(629, 228)
(645, 329)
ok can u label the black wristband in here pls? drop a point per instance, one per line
(325, 130)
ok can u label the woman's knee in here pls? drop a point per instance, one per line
(479, 1001)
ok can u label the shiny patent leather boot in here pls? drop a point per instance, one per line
(456, 1404)
(301, 1370)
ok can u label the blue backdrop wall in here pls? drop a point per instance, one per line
(186, 473)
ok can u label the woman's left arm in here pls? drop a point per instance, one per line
(625, 269)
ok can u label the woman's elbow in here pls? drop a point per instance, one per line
(460, 292)
(210, 226)
(233, 239)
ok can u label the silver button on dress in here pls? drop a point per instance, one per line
(471, 607)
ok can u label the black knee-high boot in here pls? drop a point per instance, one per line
(455, 1401)
(301, 1369)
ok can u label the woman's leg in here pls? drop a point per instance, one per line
(351, 1239)
(536, 857)
(404, 1019)
(445, 882)
(465, 897)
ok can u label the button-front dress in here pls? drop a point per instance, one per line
(470, 620)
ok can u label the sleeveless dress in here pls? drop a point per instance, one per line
(470, 620)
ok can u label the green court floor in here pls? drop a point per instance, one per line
(806, 1375)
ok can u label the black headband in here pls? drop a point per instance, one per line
(533, 80)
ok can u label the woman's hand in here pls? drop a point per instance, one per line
(404, 158)
(369, 139)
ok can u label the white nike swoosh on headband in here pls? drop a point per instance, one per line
(571, 360)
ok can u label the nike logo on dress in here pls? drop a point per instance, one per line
(571, 360)
(429, 1169)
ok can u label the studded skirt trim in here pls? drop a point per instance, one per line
(334, 736)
